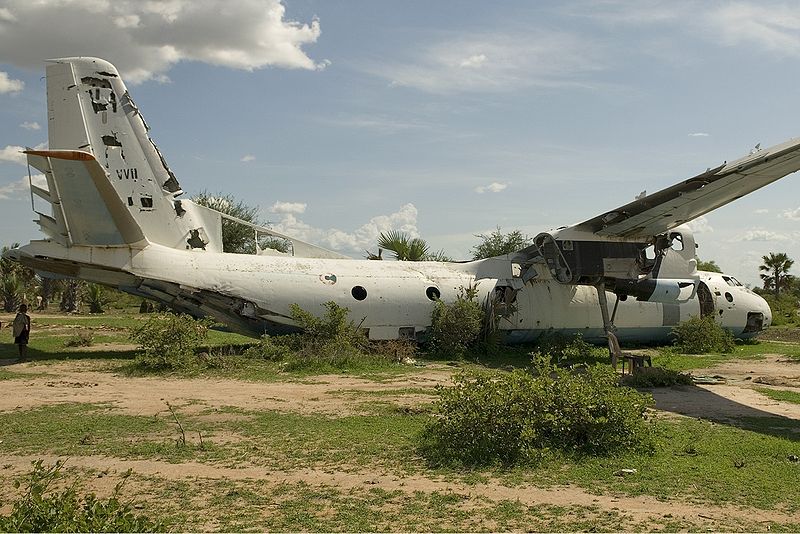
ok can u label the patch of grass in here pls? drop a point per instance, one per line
(90, 429)
(671, 358)
(780, 395)
(11, 375)
(295, 441)
(696, 460)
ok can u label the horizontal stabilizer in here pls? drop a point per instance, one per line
(86, 208)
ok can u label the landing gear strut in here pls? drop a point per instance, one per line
(608, 324)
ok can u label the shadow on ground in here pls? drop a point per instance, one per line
(699, 402)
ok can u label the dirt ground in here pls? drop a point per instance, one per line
(85, 382)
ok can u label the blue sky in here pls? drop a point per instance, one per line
(446, 119)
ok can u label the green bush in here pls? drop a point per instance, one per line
(701, 335)
(570, 349)
(168, 341)
(41, 509)
(520, 417)
(657, 377)
(456, 327)
(95, 297)
(81, 339)
(331, 342)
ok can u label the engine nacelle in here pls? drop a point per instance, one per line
(665, 290)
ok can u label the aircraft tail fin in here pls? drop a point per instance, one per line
(98, 136)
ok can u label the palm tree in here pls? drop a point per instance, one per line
(405, 247)
(776, 271)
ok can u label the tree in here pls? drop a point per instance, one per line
(709, 265)
(70, 295)
(95, 297)
(776, 272)
(236, 237)
(15, 281)
(497, 244)
(406, 248)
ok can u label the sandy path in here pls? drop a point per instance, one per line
(77, 382)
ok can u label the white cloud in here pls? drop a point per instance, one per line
(6, 15)
(700, 225)
(791, 214)
(15, 189)
(376, 122)
(775, 29)
(494, 62)
(145, 39)
(8, 84)
(474, 61)
(355, 242)
(494, 187)
(288, 207)
(30, 125)
(248, 158)
(699, 134)
(763, 235)
(764, 211)
(13, 154)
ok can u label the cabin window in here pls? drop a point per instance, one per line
(433, 293)
(359, 293)
(147, 202)
(728, 297)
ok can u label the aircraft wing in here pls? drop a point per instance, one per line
(662, 211)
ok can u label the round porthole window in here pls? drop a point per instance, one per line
(359, 293)
(433, 293)
(728, 297)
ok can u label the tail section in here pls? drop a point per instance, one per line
(107, 180)
(85, 207)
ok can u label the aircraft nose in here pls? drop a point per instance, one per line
(766, 310)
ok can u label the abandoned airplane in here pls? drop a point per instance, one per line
(112, 213)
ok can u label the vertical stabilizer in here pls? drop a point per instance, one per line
(90, 110)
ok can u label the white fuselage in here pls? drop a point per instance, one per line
(254, 293)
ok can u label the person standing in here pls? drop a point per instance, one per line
(22, 331)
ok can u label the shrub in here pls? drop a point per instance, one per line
(95, 297)
(81, 339)
(657, 377)
(333, 326)
(570, 349)
(331, 342)
(519, 417)
(169, 341)
(455, 327)
(701, 335)
(41, 509)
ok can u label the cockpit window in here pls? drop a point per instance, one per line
(731, 281)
